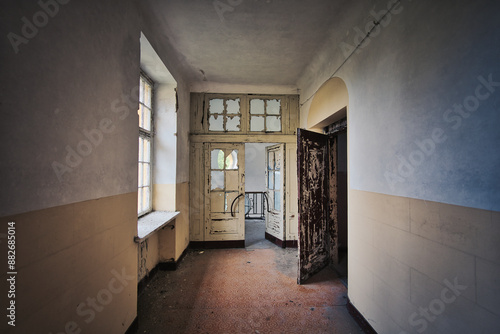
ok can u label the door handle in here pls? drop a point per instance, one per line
(234, 200)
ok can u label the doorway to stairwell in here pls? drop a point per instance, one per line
(323, 183)
(270, 195)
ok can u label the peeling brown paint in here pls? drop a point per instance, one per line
(332, 223)
(317, 203)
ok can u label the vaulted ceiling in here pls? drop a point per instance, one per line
(244, 41)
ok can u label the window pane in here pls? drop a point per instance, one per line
(232, 160)
(215, 123)
(273, 107)
(140, 174)
(141, 90)
(277, 160)
(270, 160)
(144, 166)
(277, 200)
(220, 159)
(257, 107)
(147, 118)
(217, 180)
(216, 106)
(141, 117)
(147, 175)
(270, 180)
(233, 123)
(256, 123)
(216, 161)
(147, 150)
(233, 106)
(139, 201)
(146, 198)
(147, 95)
(277, 180)
(141, 149)
(273, 123)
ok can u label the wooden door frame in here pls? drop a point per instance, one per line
(279, 240)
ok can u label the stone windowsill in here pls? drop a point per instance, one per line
(152, 222)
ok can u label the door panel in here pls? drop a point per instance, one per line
(225, 176)
(332, 223)
(275, 163)
(313, 193)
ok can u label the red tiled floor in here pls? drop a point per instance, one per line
(243, 291)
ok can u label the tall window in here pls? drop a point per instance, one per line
(145, 144)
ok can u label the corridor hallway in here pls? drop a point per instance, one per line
(251, 290)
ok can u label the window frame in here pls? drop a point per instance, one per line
(266, 99)
(149, 135)
(225, 115)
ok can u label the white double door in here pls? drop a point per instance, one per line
(225, 191)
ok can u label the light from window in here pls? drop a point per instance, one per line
(265, 115)
(274, 178)
(144, 195)
(224, 115)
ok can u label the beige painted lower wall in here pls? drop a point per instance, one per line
(173, 242)
(69, 257)
(148, 256)
(164, 197)
(182, 221)
(420, 266)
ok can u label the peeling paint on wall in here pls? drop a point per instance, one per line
(143, 259)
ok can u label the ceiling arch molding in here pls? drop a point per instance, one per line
(329, 104)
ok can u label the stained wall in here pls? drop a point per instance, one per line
(69, 168)
(422, 145)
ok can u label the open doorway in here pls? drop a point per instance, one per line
(256, 198)
(338, 130)
(322, 157)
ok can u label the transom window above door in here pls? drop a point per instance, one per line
(224, 115)
(265, 115)
(244, 114)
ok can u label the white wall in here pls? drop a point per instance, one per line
(410, 75)
(165, 134)
(408, 238)
(69, 99)
(172, 243)
(73, 74)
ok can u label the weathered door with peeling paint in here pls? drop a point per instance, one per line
(225, 192)
(275, 191)
(313, 193)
